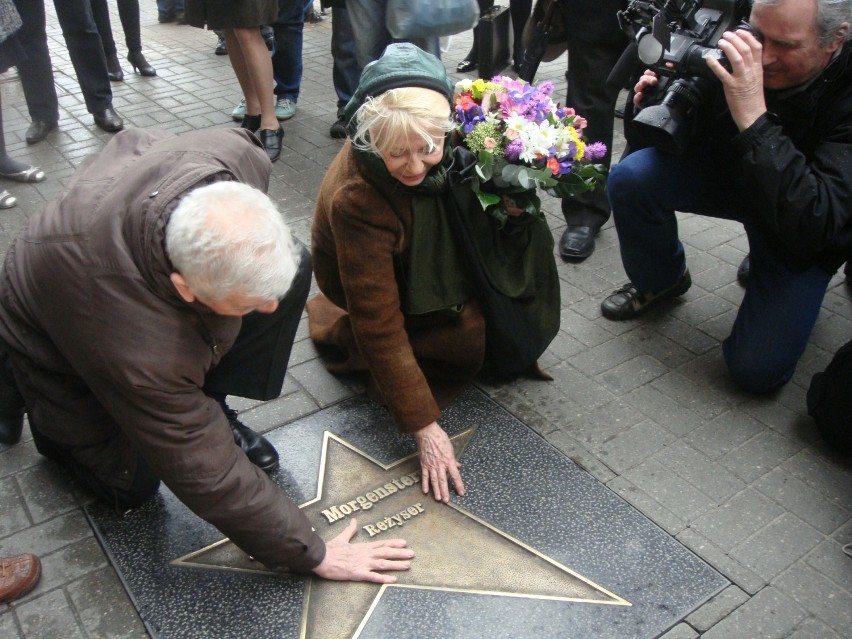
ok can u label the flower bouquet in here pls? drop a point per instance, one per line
(523, 141)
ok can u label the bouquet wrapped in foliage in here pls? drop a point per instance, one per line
(523, 141)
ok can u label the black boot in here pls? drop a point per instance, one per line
(256, 447)
(114, 71)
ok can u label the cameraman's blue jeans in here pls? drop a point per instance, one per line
(781, 302)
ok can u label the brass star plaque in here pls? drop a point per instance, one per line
(456, 551)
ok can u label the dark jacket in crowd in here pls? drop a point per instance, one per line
(108, 354)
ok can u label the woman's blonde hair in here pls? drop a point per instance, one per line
(398, 113)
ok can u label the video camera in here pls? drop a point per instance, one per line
(673, 38)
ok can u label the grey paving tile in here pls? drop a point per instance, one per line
(646, 504)
(279, 411)
(632, 447)
(701, 399)
(803, 500)
(669, 489)
(46, 491)
(12, 505)
(325, 388)
(72, 561)
(775, 547)
(737, 519)
(818, 595)
(680, 631)
(596, 427)
(827, 477)
(705, 474)
(831, 562)
(631, 374)
(48, 536)
(814, 629)
(603, 357)
(759, 455)
(724, 433)
(717, 608)
(656, 344)
(769, 614)
(663, 409)
(103, 607)
(740, 575)
(9, 628)
(49, 617)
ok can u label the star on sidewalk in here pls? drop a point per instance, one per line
(455, 551)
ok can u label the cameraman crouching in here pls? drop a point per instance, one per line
(778, 159)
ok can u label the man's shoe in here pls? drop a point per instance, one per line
(251, 122)
(285, 109)
(744, 270)
(239, 111)
(627, 302)
(466, 65)
(165, 18)
(256, 447)
(108, 120)
(180, 17)
(338, 129)
(268, 37)
(271, 141)
(18, 575)
(577, 243)
(38, 131)
(221, 47)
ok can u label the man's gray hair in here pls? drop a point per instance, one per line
(831, 14)
(229, 238)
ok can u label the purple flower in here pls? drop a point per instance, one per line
(595, 151)
(513, 150)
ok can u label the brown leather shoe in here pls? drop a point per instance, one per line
(18, 575)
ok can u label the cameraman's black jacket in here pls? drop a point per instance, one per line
(796, 162)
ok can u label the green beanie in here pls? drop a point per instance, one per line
(401, 65)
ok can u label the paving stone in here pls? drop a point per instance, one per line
(829, 560)
(646, 504)
(12, 505)
(48, 536)
(769, 614)
(104, 608)
(663, 409)
(737, 519)
(73, 561)
(278, 411)
(631, 374)
(680, 631)
(669, 489)
(49, 617)
(802, 500)
(759, 455)
(818, 595)
(777, 546)
(603, 357)
(723, 434)
(717, 608)
(705, 474)
(634, 446)
(658, 346)
(700, 399)
(814, 629)
(45, 492)
(326, 389)
(8, 623)
(825, 476)
(746, 579)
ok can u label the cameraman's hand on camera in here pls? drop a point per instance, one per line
(644, 86)
(744, 83)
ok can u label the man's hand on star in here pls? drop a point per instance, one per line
(437, 460)
(363, 562)
(743, 85)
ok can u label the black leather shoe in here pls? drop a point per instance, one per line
(114, 70)
(108, 120)
(251, 122)
(466, 65)
(271, 141)
(338, 129)
(744, 270)
(221, 47)
(627, 302)
(38, 131)
(140, 64)
(577, 243)
(256, 447)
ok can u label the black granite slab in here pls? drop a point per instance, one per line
(537, 547)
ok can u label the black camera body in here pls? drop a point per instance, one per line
(673, 38)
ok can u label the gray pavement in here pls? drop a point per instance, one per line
(645, 406)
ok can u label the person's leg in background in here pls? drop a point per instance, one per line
(87, 56)
(128, 13)
(100, 14)
(287, 58)
(589, 65)
(36, 72)
(520, 10)
(345, 70)
(470, 61)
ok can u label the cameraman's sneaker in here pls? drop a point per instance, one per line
(627, 302)
(285, 109)
(239, 111)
